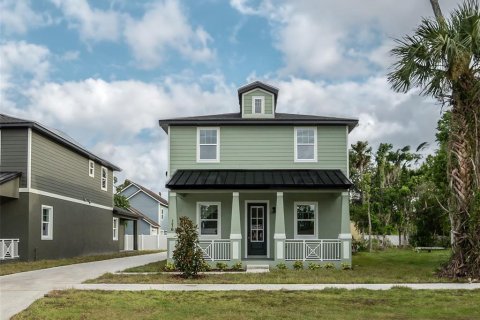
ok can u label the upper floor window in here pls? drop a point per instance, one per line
(91, 168)
(208, 218)
(115, 228)
(208, 144)
(47, 223)
(258, 105)
(305, 144)
(104, 179)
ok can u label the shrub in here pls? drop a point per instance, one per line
(281, 266)
(346, 266)
(313, 266)
(222, 266)
(237, 266)
(187, 255)
(298, 265)
(205, 266)
(329, 265)
(169, 267)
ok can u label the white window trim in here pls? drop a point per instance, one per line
(91, 165)
(115, 229)
(218, 145)
(262, 109)
(315, 143)
(50, 223)
(101, 179)
(219, 221)
(315, 228)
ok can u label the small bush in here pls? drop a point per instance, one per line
(206, 267)
(169, 267)
(329, 265)
(346, 266)
(187, 255)
(298, 265)
(222, 266)
(313, 266)
(281, 266)
(237, 266)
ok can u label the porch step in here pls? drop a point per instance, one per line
(258, 268)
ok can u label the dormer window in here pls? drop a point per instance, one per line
(258, 104)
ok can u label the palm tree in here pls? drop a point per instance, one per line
(442, 58)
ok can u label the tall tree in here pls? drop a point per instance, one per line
(442, 58)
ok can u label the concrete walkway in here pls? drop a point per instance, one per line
(274, 287)
(18, 291)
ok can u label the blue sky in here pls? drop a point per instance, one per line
(105, 71)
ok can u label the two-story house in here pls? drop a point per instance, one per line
(56, 197)
(152, 208)
(263, 187)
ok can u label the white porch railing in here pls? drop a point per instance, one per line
(215, 250)
(9, 249)
(320, 250)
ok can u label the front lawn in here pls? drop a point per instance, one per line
(390, 266)
(9, 267)
(326, 304)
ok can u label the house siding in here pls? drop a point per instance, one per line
(247, 101)
(145, 205)
(62, 171)
(14, 152)
(14, 214)
(130, 190)
(259, 147)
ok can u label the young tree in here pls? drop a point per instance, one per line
(442, 58)
(188, 256)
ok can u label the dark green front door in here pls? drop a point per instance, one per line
(257, 229)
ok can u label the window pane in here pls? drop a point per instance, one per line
(258, 106)
(305, 227)
(44, 229)
(208, 227)
(305, 211)
(208, 136)
(305, 152)
(305, 136)
(209, 212)
(45, 215)
(208, 152)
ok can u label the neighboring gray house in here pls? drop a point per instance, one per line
(56, 197)
(150, 206)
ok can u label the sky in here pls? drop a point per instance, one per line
(104, 72)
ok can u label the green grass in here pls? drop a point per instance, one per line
(391, 266)
(22, 266)
(326, 304)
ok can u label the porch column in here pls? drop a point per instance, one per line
(235, 228)
(279, 235)
(345, 236)
(172, 223)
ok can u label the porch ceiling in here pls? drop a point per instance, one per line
(258, 179)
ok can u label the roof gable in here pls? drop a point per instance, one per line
(257, 85)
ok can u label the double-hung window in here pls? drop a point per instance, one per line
(91, 168)
(115, 229)
(208, 144)
(208, 218)
(47, 223)
(258, 105)
(305, 144)
(305, 220)
(104, 179)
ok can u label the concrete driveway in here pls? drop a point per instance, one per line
(18, 291)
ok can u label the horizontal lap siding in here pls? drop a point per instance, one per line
(14, 152)
(62, 171)
(248, 101)
(259, 147)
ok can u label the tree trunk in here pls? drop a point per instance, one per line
(436, 10)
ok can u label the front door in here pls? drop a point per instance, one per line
(257, 229)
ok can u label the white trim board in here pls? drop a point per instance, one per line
(57, 196)
(29, 158)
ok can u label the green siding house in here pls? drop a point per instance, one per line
(56, 197)
(263, 187)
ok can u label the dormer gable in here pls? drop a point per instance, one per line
(257, 100)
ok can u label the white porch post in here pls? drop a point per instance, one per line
(279, 235)
(172, 223)
(345, 236)
(235, 228)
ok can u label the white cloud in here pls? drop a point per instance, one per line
(16, 17)
(92, 23)
(165, 27)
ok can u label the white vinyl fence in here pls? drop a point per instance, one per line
(147, 242)
(391, 240)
